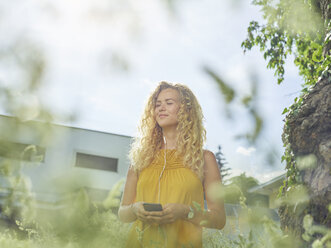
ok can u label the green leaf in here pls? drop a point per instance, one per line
(307, 222)
(317, 56)
(197, 206)
(203, 223)
(226, 90)
(285, 111)
(246, 100)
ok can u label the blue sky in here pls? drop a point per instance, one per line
(89, 44)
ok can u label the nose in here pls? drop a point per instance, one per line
(162, 107)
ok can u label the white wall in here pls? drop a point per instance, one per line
(61, 147)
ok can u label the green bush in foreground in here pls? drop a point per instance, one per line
(82, 223)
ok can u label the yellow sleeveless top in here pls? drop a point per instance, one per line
(178, 184)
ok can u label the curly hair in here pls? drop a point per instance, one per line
(191, 133)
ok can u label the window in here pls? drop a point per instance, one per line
(19, 151)
(96, 162)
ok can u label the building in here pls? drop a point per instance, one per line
(54, 157)
(263, 202)
(270, 190)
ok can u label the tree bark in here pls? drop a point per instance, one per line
(325, 8)
(309, 132)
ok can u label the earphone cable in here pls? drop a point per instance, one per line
(165, 161)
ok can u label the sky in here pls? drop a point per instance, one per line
(104, 58)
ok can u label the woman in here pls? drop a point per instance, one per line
(170, 167)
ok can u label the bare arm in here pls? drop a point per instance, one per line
(215, 215)
(125, 212)
(129, 209)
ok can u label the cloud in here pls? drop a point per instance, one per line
(245, 151)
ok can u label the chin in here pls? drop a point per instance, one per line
(167, 125)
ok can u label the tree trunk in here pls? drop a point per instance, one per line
(309, 132)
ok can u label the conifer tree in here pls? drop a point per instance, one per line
(221, 161)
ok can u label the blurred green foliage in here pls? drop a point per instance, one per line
(227, 91)
(80, 223)
(257, 229)
(83, 223)
(301, 28)
(294, 26)
(237, 187)
(248, 101)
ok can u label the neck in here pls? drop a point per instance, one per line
(171, 138)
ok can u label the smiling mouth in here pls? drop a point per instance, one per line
(162, 116)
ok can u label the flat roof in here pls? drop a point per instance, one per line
(67, 126)
(268, 187)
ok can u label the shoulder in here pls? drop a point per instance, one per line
(208, 156)
(210, 163)
(211, 170)
(132, 172)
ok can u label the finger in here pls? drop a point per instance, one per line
(166, 221)
(159, 221)
(165, 207)
(150, 219)
(168, 205)
(166, 211)
(156, 213)
(143, 211)
(155, 218)
(142, 216)
(145, 219)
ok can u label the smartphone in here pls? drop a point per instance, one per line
(152, 206)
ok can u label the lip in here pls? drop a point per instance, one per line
(163, 116)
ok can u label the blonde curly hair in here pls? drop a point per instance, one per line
(190, 130)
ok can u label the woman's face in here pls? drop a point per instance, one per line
(166, 108)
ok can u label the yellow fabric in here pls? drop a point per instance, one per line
(178, 184)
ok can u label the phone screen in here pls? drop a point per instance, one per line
(152, 206)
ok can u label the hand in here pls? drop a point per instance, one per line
(172, 212)
(146, 216)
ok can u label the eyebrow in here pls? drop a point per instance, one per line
(166, 99)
